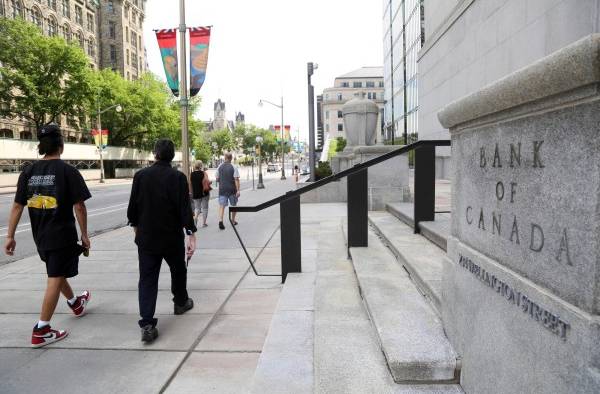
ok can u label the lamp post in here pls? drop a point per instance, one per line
(259, 141)
(280, 106)
(117, 108)
(183, 91)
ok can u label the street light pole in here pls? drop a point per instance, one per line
(99, 126)
(183, 91)
(259, 141)
(282, 145)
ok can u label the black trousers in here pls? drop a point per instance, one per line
(148, 285)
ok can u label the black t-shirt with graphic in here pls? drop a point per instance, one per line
(50, 188)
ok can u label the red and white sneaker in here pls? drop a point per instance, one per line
(45, 336)
(80, 305)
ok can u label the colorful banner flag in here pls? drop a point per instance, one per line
(100, 138)
(167, 42)
(277, 132)
(286, 132)
(199, 42)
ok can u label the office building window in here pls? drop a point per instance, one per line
(90, 22)
(380, 84)
(112, 30)
(370, 84)
(79, 15)
(66, 32)
(91, 48)
(340, 127)
(345, 85)
(66, 9)
(127, 33)
(340, 115)
(339, 97)
(133, 38)
(357, 84)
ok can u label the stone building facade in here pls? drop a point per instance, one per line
(472, 43)
(365, 80)
(122, 38)
(220, 121)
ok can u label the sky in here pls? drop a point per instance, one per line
(259, 50)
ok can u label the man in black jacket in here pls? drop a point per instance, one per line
(159, 212)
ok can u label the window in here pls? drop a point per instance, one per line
(339, 97)
(36, 17)
(372, 96)
(128, 77)
(133, 18)
(91, 47)
(17, 8)
(380, 84)
(66, 9)
(52, 4)
(80, 39)
(127, 33)
(140, 42)
(25, 135)
(141, 20)
(52, 27)
(357, 84)
(340, 127)
(327, 128)
(141, 64)
(326, 114)
(345, 85)
(127, 56)
(111, 6)
(113, 54)
(340, 115)
(126, 12)
(6, 133)
(1, 7)
(135, 3)
(90, 22)
(133, 38)
(79, 15)
(66, 31)
(370, 84)
(112, 30)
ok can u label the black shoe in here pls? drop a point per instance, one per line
(180, 310)
(149, 333)
(221, 226)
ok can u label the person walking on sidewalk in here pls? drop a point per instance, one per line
(160, 211)
(200, 192)
(51, 189)
(228, 177)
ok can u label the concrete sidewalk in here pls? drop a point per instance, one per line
(213, 348)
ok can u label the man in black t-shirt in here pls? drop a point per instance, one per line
(50, 189)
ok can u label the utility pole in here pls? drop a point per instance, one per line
(311, 120)
(183, 91)
(282, 144)
(99, 127)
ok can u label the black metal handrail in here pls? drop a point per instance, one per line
(357, 202)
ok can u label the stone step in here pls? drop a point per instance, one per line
(347, 353)
(286, 362)
(410, 332)
(436, 231)
(423, 260)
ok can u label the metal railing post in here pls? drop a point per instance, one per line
(424, 206)
(291, 251)
(358, 209)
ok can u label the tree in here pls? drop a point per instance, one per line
(41, 77)
(224, 141)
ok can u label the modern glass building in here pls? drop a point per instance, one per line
(403, 37)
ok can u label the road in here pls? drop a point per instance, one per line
(106, 211)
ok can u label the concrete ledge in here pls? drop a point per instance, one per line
(572, 67)
(411, 334)
(437, 231)
(286, 361)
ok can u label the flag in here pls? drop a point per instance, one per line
(277, 133)
(100, 138)
(286, 132)
(167, 42)
(199, 41)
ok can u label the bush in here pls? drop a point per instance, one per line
(323, 170)
(340, 144)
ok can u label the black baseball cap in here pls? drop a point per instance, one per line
(48, 130)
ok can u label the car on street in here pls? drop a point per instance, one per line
(305, 170)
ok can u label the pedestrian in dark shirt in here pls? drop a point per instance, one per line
(200, 185)
(159, 212)
(50, 189)
(229, 188)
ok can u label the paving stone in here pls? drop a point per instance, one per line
(236, 333)
(222, 373)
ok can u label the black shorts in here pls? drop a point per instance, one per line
(62, 262)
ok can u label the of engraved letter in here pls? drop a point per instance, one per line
(513, 191)
(515, 231)
(482, 159)
(497, 158)
(481, 222)
(537, 162)
(499, 191)
(564, 248)
(515, 155)
(496, 223)
(467, 214)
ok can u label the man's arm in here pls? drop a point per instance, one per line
(132, 214)
(187, 216)
(13, 220)
(237, 187)
(81, 214)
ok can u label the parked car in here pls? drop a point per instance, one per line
(272, 167)
(305, 170)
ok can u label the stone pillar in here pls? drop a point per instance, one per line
(521, 287)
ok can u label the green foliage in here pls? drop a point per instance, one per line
(340, 144)
(41, 77)
(222, 141)
(323, 170)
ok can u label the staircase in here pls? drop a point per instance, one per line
(368, 324)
